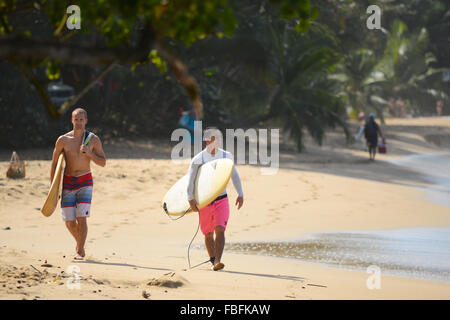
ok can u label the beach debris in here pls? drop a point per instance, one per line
(145, 294)
(35, 269)
(316, 285)
(7, 228)
(47, 265)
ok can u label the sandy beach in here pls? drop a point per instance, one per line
(134, 251)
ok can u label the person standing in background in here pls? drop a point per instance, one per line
(371, 131)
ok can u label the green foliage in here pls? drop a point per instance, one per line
(158, 61)
(185, 21)
(53, 70)
(296, 62)
(406, 66)
(271, 71)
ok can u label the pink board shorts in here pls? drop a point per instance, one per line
(214, 214)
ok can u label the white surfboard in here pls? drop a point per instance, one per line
(212, 178)
(55, 189)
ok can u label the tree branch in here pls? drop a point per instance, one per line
(19, 48)
(66, 105)
(182, 75)
(42, 91)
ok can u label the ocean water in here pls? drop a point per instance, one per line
(435, 168)
(422, 253)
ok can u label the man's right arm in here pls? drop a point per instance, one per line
(59, 146)
(192, 173)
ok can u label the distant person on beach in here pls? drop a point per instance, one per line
(187, 121)
(371, 131)
(77, 182)
(439, 107)
(360, 132)
(213, 217)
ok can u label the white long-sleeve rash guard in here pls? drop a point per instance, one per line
(203, 157)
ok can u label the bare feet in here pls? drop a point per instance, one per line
(81, 252)
(218, 266)
(78, 257)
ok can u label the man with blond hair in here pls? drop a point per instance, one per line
(80, 147)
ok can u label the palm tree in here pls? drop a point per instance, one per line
(271, 71)
(406, 67)
(356, 73)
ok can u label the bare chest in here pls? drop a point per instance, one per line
(72, 149)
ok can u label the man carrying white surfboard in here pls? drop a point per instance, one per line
(79, 147)
(213, 217)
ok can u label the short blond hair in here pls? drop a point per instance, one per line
(79, 110)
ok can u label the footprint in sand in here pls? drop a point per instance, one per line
(120, 196)
(169, 280)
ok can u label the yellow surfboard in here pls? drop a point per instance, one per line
(212, 178)
(55, 189)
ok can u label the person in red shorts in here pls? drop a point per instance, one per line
(213, 217)
(80, 147)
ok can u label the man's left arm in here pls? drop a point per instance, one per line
(237, 184)
(381, 133)
(95, 153)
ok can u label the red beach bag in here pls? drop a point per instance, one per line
(382, 148)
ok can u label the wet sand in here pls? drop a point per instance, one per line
(422, 253)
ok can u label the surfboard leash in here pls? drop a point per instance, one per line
(190, 243)
(189, 247)
(170, 217)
